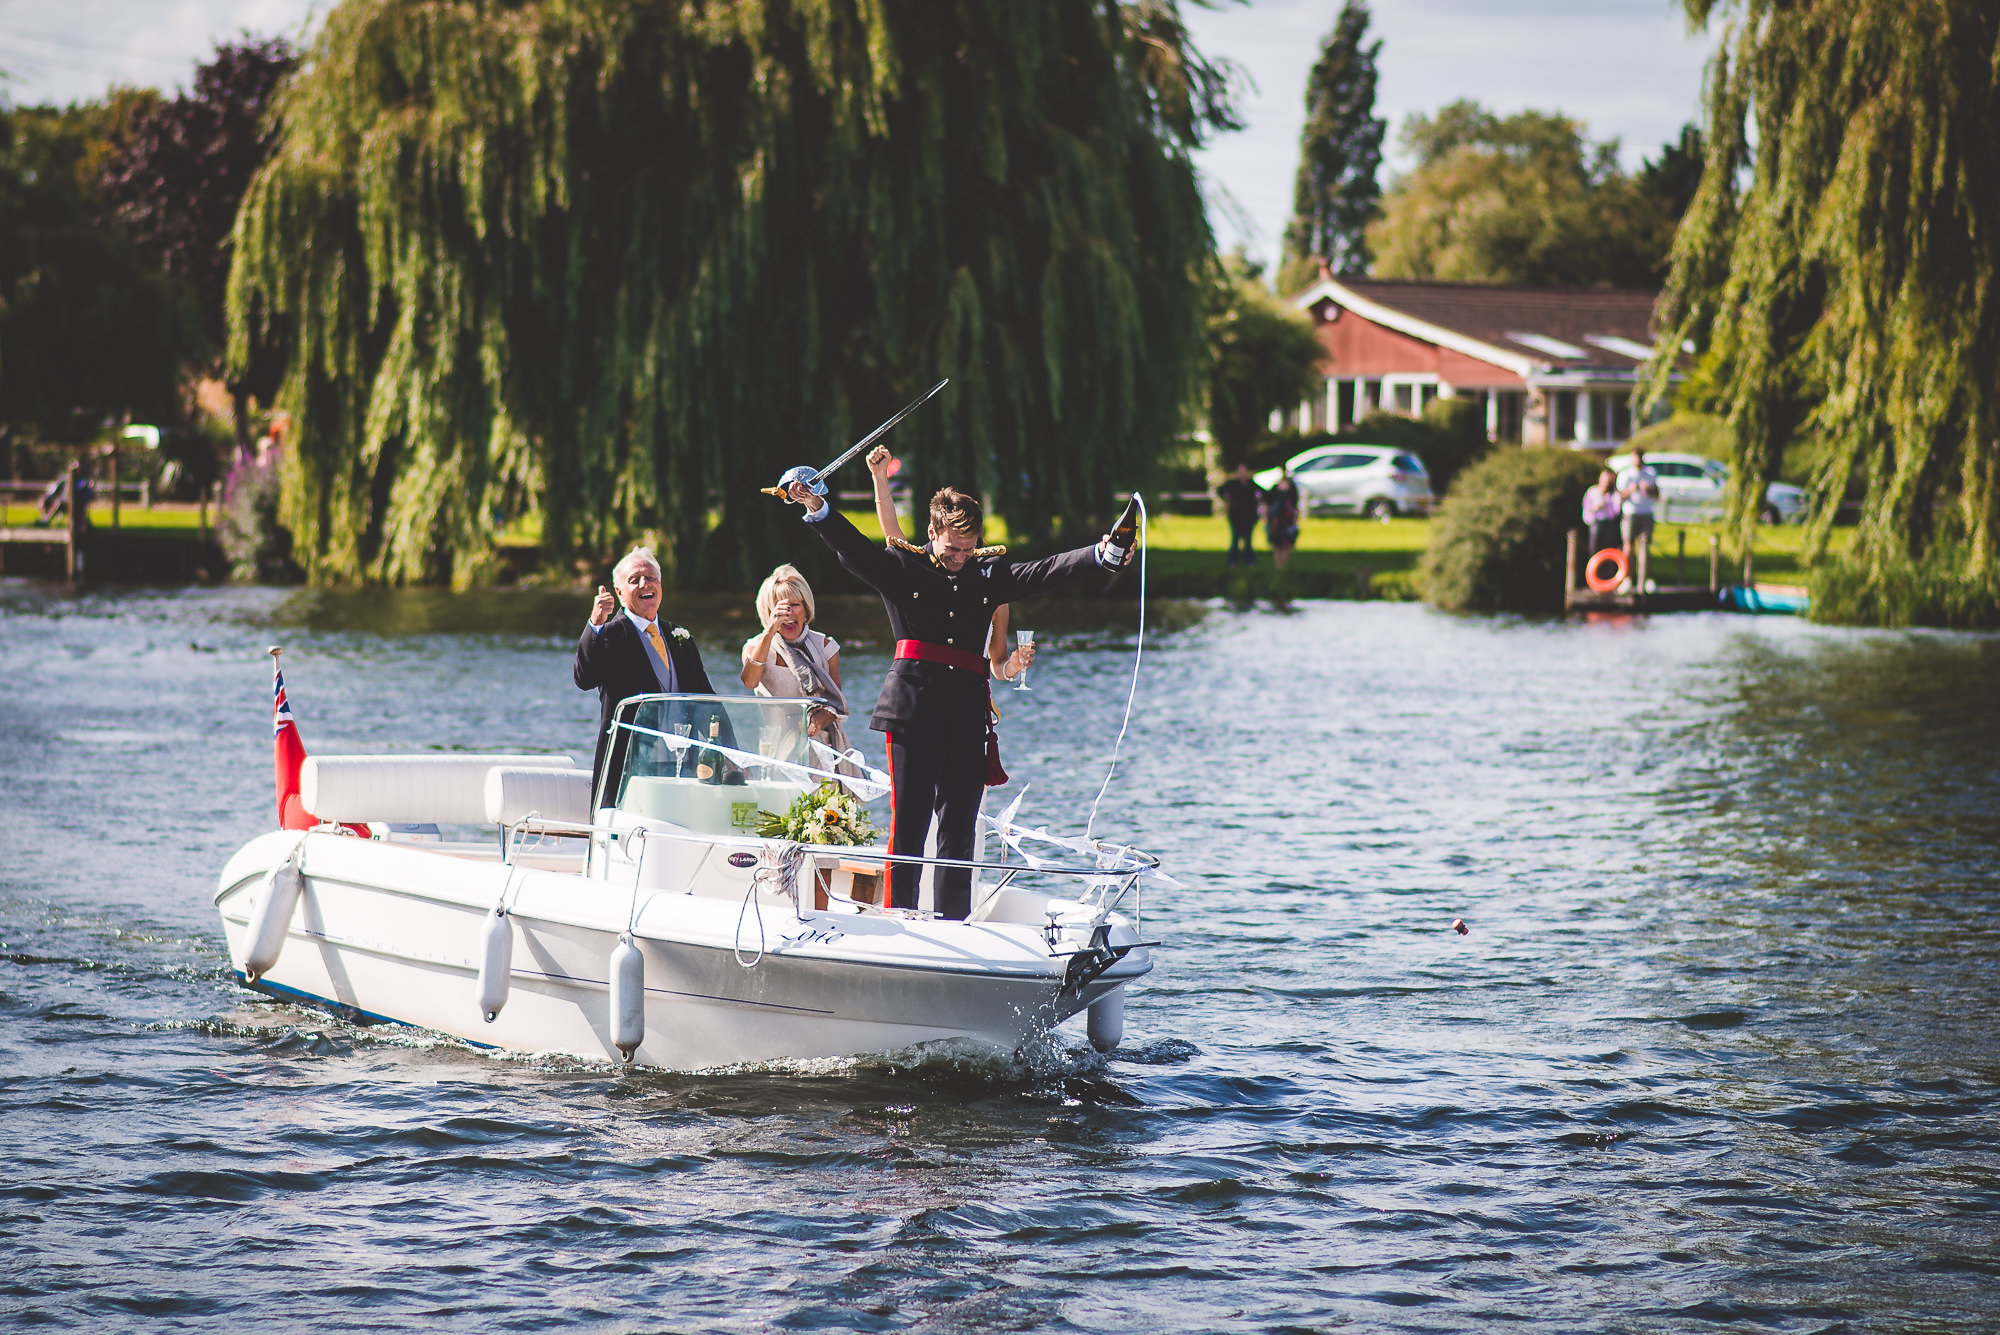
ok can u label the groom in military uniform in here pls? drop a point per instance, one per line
(935, 706)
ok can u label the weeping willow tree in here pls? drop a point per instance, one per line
(619, 262)
(1839, 272)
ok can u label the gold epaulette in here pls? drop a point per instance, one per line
(914, 550)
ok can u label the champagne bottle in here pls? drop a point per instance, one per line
(708, 763)
(1116, 549)
(1124, 535)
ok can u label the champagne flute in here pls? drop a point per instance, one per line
(1026, 639)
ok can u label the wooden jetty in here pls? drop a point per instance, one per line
(1749, 596)
(74, 549)
(1637, 597)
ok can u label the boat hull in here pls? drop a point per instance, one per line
(395, 932)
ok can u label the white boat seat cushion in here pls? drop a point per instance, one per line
(554, 794)
(439, 789)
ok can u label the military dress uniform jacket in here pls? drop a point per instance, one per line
(925, 602)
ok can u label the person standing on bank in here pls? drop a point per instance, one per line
(1600, 512)
(632, 652)
(1281, 516)
(1004, 665)
(1638, 488)
(1241, 499)
(935, 708)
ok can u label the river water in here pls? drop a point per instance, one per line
(1717, 1051)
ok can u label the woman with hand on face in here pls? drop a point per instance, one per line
(1006, 666)
(792, 660)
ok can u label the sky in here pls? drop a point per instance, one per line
(1627, 68)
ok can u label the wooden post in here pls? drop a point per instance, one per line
(73, 531)
(1569, 568)
(1681, 557)
(1749, 566)
(1641, 557)
(1714, 563)
(114, 486)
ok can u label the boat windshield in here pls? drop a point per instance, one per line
(711, 762)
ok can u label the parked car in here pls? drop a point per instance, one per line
(1379, 481)
(1691, 489)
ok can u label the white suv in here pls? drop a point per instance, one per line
(1691, 489)
(1379, 481)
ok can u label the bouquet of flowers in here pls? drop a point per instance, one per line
(829, 814)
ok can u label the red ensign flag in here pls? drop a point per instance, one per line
(288, 755)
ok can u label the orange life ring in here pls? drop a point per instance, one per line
(1605, 583)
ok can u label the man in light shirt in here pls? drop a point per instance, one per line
(632, 652)
(1638, 488)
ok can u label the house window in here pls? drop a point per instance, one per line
(1562, 415)
(1621, 416)
(1600, 416)
(1511, 408)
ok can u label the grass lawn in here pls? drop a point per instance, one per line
(1335, 558)
(166, 517)
(1776, 555)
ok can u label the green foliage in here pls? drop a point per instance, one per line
(258, 545)
(1262, 356)
(177, 177)
(622, 261)
(1340, 151)
(1944, 589)
(89, 331)
(1498, 542)
(1675, 175)
(1840, 269)
(1518, 199)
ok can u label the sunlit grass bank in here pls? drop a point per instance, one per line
(164, 517)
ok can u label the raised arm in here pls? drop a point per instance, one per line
(870, 564)
(880, 461)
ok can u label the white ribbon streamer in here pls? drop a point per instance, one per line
(867, 789)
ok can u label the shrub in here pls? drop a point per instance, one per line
(259, 548)
(1498, 542)
(1936, 591)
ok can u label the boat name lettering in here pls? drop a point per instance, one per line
(742, 859)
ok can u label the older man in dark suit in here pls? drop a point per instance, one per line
(632, 651)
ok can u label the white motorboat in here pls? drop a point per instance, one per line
(499, 900)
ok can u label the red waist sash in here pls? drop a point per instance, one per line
(924, 650)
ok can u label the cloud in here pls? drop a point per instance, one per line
(63, 51)
(1629, 69)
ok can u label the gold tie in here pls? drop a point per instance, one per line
(659, 644)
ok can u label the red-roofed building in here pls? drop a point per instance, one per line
(1549, 365)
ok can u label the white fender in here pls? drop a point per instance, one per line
(1105, 1020)
(496, 962)
(271, 917)
(628, 996)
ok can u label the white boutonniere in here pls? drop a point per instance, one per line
(680, 633)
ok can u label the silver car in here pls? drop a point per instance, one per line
(1379, 481)
(1691, 490)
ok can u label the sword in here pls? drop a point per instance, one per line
(814, 479)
